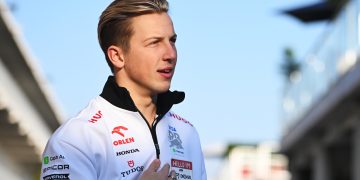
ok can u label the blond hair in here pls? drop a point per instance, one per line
(114, 27)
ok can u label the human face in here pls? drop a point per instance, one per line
(150, 63)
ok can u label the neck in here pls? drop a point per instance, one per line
(146, 105)
(144, 102)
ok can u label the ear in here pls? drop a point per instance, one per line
(116, 56)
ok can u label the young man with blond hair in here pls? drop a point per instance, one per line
(129, 132)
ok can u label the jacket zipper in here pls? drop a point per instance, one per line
(153, 132)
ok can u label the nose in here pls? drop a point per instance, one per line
(171, 52)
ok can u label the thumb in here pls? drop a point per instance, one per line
(164, 172)
(154, 166)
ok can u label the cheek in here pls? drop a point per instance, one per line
(141, 68)
(142, 62)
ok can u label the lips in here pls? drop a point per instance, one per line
(166, 72)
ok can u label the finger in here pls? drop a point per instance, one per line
(164, 170)
(154, 166)
(172, 175)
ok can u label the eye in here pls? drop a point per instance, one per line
(154, 42)
(173, 39)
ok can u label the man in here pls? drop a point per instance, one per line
(129, 132)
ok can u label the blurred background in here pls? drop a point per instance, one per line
(271, 86)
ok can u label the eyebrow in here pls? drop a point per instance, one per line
(160, 37)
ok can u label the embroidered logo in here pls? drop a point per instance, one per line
(131, 163)
(46, 160)
(130, 151)
(134, 169)
(173, 115)
(96, 117)
(182, 168)
(175, 140)
(118, 129)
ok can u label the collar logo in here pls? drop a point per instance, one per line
(118, 129)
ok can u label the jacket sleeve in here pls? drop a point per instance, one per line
(203, 169)
(64, 160)
(200, 157)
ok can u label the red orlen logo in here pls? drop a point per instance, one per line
(96, 117)
(131, 163)
(118, 129)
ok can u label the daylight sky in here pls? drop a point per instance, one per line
(229, 56)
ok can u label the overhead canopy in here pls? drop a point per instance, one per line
(320, 11)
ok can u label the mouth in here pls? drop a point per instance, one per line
(166, 72)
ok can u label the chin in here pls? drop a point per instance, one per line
(162, 89)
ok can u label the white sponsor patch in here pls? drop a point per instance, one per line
(182, 168)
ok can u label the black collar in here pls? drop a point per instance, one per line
(120, 97)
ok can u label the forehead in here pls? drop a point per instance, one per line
(156, 24)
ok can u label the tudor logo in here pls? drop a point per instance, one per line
(118, 129)
(132, 170)
(131, 163)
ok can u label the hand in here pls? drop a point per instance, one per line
(152, 174)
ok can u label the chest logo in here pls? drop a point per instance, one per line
(118, 129)
(131, 163)
(134, 169)
(176, 144)
(182, 168)
(175, 140)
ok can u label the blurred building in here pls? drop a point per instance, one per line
(248, 162)
(321, 134)
(28, 114)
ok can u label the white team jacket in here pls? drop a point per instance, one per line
(110, 140)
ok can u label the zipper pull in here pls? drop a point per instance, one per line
(154, 122)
